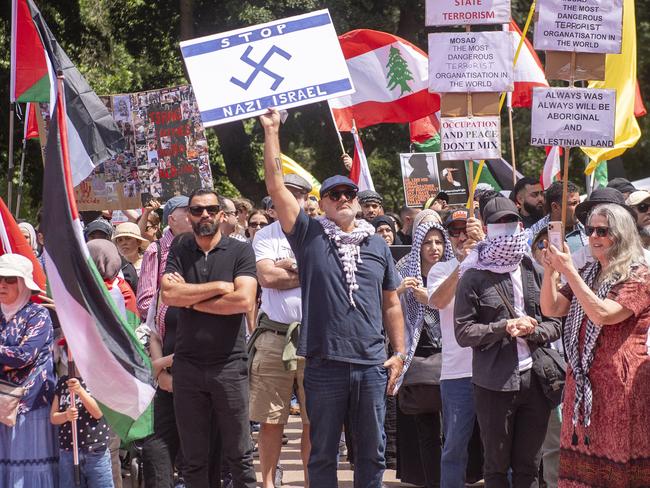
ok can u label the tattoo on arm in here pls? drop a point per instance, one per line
(278, 165)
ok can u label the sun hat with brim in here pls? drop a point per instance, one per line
(128, 229)
(637, 197)
(601, 196)
(20, 266)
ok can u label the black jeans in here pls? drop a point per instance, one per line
(513, 427)
(220, 393)
(159, 451)
(428, 427)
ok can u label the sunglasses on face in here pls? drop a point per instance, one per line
(233, 213)
(457, 232)
(10, 280)
(335, 195)
(197, 210)
(643, 207)
(257, 225)
(600, 231)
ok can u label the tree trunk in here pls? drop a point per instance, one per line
(186, 8)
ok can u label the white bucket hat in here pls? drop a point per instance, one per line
(18, 265)
(128, 229)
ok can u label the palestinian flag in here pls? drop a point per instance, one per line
(12, 241)
(107, 353)
(425, 133)
(391, 78)
(496, 172)
(36, 58)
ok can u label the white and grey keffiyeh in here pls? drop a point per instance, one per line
(580, 361)
(501, 254)
(348, 246)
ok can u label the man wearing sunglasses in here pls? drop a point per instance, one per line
(212, 279)
(640, 203)
(348, 283)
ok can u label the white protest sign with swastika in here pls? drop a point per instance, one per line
(285, 63)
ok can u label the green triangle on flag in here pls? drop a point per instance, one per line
(430, 145)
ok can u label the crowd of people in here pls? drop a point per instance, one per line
(452, 345)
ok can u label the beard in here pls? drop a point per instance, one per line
(205, 229)
(533, 211)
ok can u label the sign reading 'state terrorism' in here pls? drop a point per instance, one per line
(467, 12)
(285, 63)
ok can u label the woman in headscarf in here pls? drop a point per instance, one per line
(29, 233)
(385, 227)
(420, 463)
(28, 450)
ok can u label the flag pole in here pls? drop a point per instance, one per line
(72, 373)
(20, 181)
(512, 141)
(10, 161)
(336, 127)
(470, 196)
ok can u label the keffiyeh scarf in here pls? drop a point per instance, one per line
(500, 254)
(418, 317)
(580, 361)
(348, 246)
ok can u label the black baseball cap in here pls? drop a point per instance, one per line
(499, 207)
(622, 185)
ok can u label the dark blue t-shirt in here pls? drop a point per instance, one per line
(331, 327)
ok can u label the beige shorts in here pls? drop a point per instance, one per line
(271, 386)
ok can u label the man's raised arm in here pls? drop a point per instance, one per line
(284, 202)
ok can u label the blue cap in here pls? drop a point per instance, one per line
(172, 204)
(334, 181)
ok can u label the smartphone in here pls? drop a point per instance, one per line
(556, 234)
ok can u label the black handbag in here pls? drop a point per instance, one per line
(420, 390)
(548, 364)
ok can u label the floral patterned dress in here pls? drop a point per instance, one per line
(618, 450)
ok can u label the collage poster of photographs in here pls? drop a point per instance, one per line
(166, 152)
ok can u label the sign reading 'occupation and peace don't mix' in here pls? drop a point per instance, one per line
(467, 12)
(285, 63)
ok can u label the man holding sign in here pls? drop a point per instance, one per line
(348, 283)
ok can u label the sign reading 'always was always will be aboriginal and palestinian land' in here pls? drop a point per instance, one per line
(467, 12)
(591, 26)
(571, 117)
(464, 138)
(285, 63)
(471, 62)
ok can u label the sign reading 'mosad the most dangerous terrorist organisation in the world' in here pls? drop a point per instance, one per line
(285, 63)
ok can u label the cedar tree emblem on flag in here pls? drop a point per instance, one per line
(398, 71)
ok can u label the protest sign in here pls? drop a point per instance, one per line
(282, 64)
(593, 26)
(166, 152)
(572, 117)
(467, 12)
(423, 177)
(471, 62)
(470, 138)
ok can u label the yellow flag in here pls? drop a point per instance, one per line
(290, 166)
(620, 74)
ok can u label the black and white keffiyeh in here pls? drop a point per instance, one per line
(417, 316)
(580, 361)
(348, 246)
(501, 254)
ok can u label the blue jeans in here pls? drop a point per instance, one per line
(95, 468)
(335, 390)
(458, 418)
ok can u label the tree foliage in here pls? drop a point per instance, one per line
(132, 45)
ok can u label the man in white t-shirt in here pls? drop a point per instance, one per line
(274, 365)
(456, 379)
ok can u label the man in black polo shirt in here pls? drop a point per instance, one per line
(348, 282)
(211, 278)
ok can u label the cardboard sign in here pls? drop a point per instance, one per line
(469, 138)
(166, 152)
(471, 62)
(592, 26)
(572, 117)
(423, 177)
(456, 104)
(285, 63)
(561, 65)
(467, 12)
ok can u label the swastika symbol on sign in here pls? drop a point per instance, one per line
(260, 67)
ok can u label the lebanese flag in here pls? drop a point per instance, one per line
(36, 57)
(391, 77)
(529, 72)
(31, 126)
(360, 172)
(552, 167)
(108, 355)
(12, 241)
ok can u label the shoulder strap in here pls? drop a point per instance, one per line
(502, 293)
(159, 256)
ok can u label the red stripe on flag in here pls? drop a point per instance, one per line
(31, 125)
(61, 117)
(361, 41)
(398, 111)
(639, 107)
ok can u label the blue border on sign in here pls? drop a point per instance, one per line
(254, 35)
(255, 105)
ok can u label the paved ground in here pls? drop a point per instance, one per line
(293, 469)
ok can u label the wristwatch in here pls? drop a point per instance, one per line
(400, 355)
